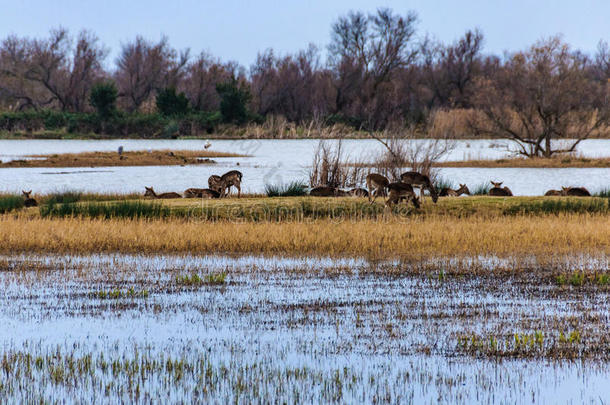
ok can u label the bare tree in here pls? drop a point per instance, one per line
(200, 80)
(144, 67)
(540, 96)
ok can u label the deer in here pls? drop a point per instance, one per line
(214, 182)
(151, 193)
(358, 192)
(498, 191)
(421, 181)
(575, 191)
(323, 191)
(401, 191)
(201, 193)
(28, 202)
(553, 193)
(448, 192)
(230, 178)
(376, 183)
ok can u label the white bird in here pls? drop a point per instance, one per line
(207, 144)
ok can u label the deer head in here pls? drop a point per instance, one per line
(149, 192)
(497, 184)
(26, 194)
(463, 189)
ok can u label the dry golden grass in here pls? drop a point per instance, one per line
(414, 238)
(555, 162)
(133, 158)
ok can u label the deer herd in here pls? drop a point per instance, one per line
(377, 185)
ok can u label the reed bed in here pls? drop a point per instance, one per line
(10, 202)
(543, 236)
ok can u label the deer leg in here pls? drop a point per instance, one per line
(238, 190)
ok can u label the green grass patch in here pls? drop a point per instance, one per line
(292, 189)
(10, 202)
(481, 189)
(119, 209)
(116, 294)
(195, 280)
(604, 193)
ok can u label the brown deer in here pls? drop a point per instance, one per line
(575, 191)
(447, 192)
(201, 193)
(214, 182)
(230, 178)
(151, 193)
(358, 192)
(421, 181)
(29, 202)
(498, 191)
(323, 191)
(401, 191)
(376, 183)
(553, 193)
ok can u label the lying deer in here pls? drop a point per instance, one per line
(201, 193)
(151, 193)
(376, 183)
(575, 191)
(358, 192)
(29, 202)
(420, 181)
(323, 191)
(448, 192)
(401, 191)
(553, 193)
(498, 191)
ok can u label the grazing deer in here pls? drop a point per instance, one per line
(447, 192)
(214, 182)
(575, 191)
(358, 192)
(401, 191)
(553, 193)
(201, 193)
(151, 193)
(29, 202)
(498, 191)
(376, 183)
(230, 178)
(421, 181)
(323, 191)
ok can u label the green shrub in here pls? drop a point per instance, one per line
(171, 104)
(10, 202)
(481, 189)
(234, 99)
(293, 189)
(103, 98)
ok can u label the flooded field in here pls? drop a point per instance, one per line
(270, 162)
(254, 329)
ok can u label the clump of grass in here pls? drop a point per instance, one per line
(194, 279)
(64, 197)
(10, 202)
(481, 189)
(116, 293)
(441, 183)
(292, 189)
(553, 206)
(120, 209)
(579, 278)
(604, 193)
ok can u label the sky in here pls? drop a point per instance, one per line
(238, 29)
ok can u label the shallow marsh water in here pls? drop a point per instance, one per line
(272, 161)
(297, 330)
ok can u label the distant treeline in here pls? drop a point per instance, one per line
(378, 72)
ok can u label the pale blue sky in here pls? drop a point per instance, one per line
(238, 29)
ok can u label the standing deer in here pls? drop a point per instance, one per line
(29, 202)
(201, 193)
(575, 191)
(376, 183)
(401, 191)
(447, 192)
(151, 193)
(230, 178)
(421, 181)
(498, 191)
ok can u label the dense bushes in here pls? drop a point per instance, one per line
(118, 124)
